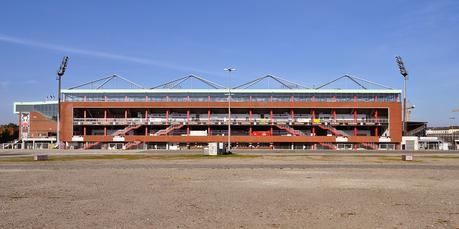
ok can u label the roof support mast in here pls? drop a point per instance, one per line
(404, 73)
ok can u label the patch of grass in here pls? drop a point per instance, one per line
(442, 221)
(396, 158)
(17, 159)
(441, 157)
(124, 157)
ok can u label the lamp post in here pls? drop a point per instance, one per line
(60, 73)
(404, 73)
(229, 70)
(451, 127)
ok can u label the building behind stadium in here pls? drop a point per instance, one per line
(99, 115)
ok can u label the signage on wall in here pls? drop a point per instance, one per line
(25, 124)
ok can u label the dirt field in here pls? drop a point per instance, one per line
(230, 192)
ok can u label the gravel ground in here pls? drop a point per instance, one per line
(284, 192)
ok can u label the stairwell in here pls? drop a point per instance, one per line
(333, 130)
(117, 133)
(92, 145)
(414, 132)
(370, 145)
(328, 145)
(168, 129)
(126, 130)
(131, 145)
(290, 130)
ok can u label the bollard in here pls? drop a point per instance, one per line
(40, 157)
(407, 157)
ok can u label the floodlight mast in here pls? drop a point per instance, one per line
(60, 73)
(229, 70)
(404, 73)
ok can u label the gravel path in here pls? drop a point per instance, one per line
(229, 193)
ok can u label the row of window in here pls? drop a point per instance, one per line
(235, 97)
(49, 110)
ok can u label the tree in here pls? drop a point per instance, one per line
(8, 132)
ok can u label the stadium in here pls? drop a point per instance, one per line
(102, 115)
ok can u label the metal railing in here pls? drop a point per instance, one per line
(221, 121)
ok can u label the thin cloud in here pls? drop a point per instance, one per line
(14, 40)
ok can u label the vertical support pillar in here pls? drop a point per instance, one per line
(292, 115)
(355, 121)
(84, 123)
(167, 117)
(188, 121)
(334, 115)
(125, 115)
(146, 122)
(105, 122)
(271, 116)
(313, 118)
(376, 122)
(208, 121)
(250, 119)
(271, 120)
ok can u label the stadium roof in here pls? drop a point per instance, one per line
(104, 85)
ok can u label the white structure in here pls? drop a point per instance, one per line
(410, 143)
(423, 143)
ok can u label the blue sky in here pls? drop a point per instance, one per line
(309, 42)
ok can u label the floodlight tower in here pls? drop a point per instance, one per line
(229, 70)
(60, 73)
(404, 73)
